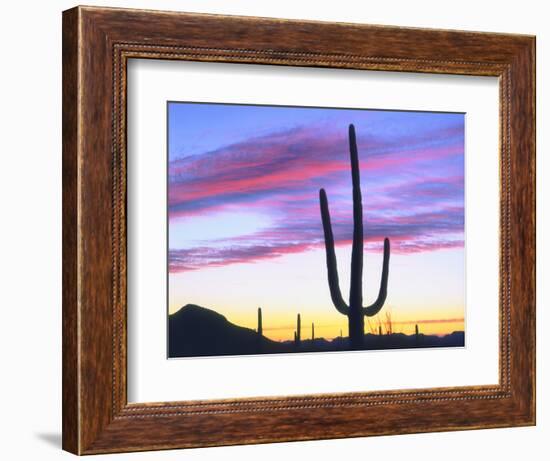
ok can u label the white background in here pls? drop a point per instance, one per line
(153, 378)
(30, 247)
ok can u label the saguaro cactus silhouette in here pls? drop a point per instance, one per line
(260, 331)
(260, 327)
(355, 310)
(298, 332)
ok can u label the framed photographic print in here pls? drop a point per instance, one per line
(280, 230)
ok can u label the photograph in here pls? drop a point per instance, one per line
(313, 229)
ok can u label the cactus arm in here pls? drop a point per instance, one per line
(332, 269)
(375, 307)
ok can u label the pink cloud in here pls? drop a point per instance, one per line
(412, 193)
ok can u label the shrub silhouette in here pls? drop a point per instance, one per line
(355, 310)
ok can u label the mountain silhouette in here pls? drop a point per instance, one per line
(195, 331)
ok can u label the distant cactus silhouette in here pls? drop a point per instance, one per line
(297, 333)
(260, 331)
(355, 310)
(312, 331)
(260, 327)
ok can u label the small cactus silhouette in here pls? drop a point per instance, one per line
(260, 331)
(355, 310)
(260, 327)
(298, 331)
(312, 331)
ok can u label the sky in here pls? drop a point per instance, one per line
(245, 227)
